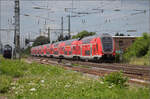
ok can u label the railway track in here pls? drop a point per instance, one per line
(138, 74)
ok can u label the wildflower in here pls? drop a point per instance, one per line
(112, 84)
(109, 86)
(102, 82)
(32, 89)
(66, 86)
(42, 81)
(12, 83)
(16, 92)
(13, 87)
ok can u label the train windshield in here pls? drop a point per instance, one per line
(107, 44)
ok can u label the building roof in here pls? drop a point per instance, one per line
(125, 36)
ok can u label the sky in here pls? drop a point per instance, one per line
(104, 16)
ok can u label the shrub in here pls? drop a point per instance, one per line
(148, 53)
(139, 48)
(5, 83)
(83, 34)
(25, 52)
(116, 78)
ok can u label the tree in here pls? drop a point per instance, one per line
(139, 48)
(119, 34)
(61, 38)
(83, 34)
(41, 40)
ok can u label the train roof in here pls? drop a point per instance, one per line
(68, 42)
(96, 35)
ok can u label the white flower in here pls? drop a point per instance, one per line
(110, 87)
(16, 92)
(102, 82)
(42, 81)
(13, 87)
(112, 84)
(32, 89)
(66, 86)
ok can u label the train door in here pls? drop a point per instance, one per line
(74, 49)
(95, 47)
(86, 48)
(56, 53)
(51, 49)
(44, 50)
(61, 49)
(47, 50)
(40, 49)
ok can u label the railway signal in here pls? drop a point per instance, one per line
(17, 30)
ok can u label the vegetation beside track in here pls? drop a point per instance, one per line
(25, 52)
(19, 79)
(139, 52)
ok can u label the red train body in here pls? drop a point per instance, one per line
(90, 48)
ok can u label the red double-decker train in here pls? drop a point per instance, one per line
(97, 48)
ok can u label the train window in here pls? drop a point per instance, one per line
(68, 42)
(85, 41)
(47, 53)
(51, 49)
(97, 47)
(107, 44)
(65, 52)
(87, 52)
(56, 44)
(56, 52)
(74, 47)
(70, 52)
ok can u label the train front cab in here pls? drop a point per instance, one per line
(108, 47)
(7, 52)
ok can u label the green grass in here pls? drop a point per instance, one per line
(21, 80)
(5, 82)
(140, 61)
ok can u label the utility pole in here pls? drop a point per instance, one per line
(69, 27)
(149, 16)
(62, 36)
(1, 46)
(49, 35)
(17, 30)
(29, 36)
(40, 31)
